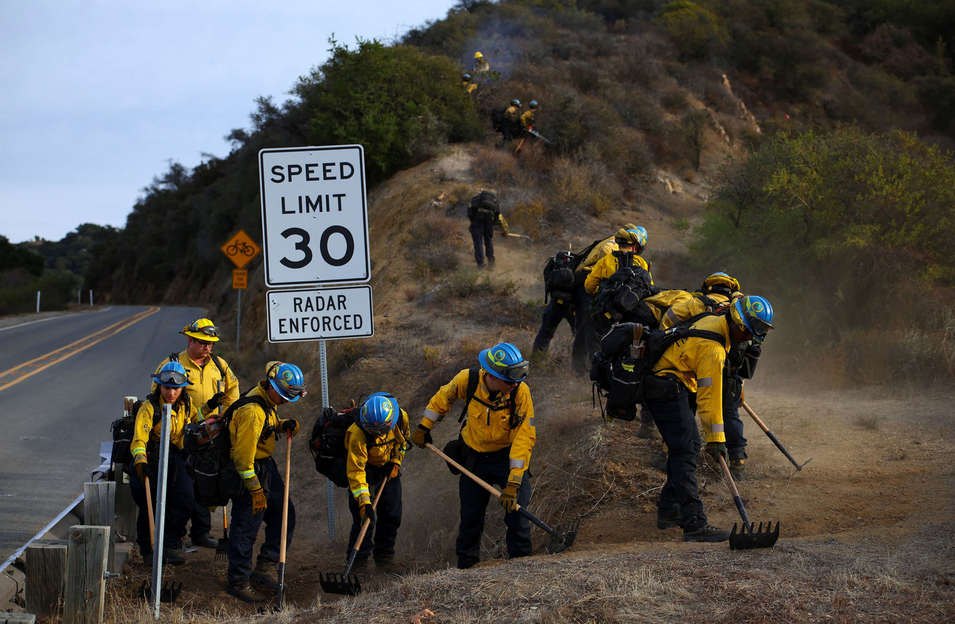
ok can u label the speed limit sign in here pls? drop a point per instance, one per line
(314, 215)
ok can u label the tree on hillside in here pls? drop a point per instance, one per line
(397, 102)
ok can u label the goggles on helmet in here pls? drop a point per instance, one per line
(515, 373)
(294, 391)
(760, 328)
(209, 330)
(171, 378)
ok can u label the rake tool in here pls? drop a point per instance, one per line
(748, 537)
(528, 241)
(561, 538)
(349, 584)
(769, 433)
(284, 542)
(169, 590)
(222, 548)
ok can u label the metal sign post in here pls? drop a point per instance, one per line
(160, 520)
(329, 486)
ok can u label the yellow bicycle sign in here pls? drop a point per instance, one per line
(240, 249)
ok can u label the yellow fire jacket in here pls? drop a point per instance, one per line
(690, 307)
(601, 249)
(527, 118)
(377, 451)
(253, 432)
(607, 266)
(489, 426)
(144, 431)
(205, 381)
(698, 364)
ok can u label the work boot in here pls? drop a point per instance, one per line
(706, 533)
(467, 562)
(204, 541)
(668, 519)
(648, 431)
(737, 466)
(660, 461)
(265, 573)
(243, 591)
(388, 565)
(360, 566)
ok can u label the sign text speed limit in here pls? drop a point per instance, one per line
(314, 215)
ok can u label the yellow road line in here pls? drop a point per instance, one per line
(46, 361)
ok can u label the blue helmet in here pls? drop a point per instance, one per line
(378, 414)
(642, 237)
(505, 362)
(288, 380)
(753, 314)
(172, 375)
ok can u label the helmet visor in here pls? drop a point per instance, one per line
(294, 391)
(760, 327)
(514, 373)
(171, 378)
(377, 428)
(209, 330)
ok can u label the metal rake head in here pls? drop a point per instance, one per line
(563, 537)
(753, 537)
(333, 583)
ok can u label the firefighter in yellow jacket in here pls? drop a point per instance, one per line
(630, 244)
(495, 444)
(254, 428)
(375, 446)
(580, 360)
(213, 385)
(695, 364)
(717, 290)
(171, 379)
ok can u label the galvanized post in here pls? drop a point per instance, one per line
(238, 321)
(329, 486)
(161, 482)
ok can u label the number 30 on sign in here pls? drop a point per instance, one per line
(314, 215)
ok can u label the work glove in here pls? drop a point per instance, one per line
(509, 498)
(259, 502)
(367, 513)
(213, 403)
(421, 436)
(290, 425)
(716, 450)
(143, 469)
(391, 469)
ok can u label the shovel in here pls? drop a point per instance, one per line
(345, 583)
(769, 433)
(170, 591)
(748, 537)
(222, 547)
(288, 474)
(528, 241)
(561, 538)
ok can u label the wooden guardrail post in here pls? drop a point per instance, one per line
(85, 595)
(100, 505)
(45, 576)
(126, 509)
(17, 618)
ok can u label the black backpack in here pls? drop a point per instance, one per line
(123, 428)
(497, 119)
(484, 207)
(207, 445)
(627, 354)
(559, 277)
(621, 299)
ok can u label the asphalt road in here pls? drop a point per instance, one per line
(54, 421)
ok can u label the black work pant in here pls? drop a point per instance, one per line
(584, 348)
(201, 521)
(382, 533)
(493, 468)
(554, 313)
(677, 424)
(482, 233)
(178, 503)
(733, 426)
(245, 527)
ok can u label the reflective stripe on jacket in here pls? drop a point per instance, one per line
(490, 429)
(698, 364)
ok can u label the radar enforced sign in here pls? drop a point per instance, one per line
(323, 314)
(314, 215)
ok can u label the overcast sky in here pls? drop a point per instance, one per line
(98, 96)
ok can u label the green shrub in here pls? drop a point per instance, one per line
(698, 33)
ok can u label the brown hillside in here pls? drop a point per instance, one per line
(866, 527)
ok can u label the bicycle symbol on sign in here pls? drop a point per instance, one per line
(240, 247)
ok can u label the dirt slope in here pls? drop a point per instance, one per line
(866, 526)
